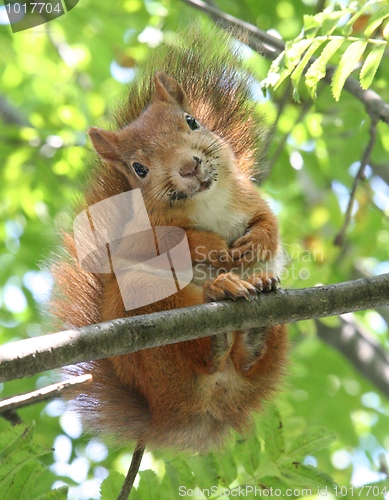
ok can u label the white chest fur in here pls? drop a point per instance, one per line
(216, 213)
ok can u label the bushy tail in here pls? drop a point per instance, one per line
(106, 405)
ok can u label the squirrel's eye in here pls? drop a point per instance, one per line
(140, 170)
(193, 124)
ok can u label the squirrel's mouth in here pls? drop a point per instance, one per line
(205, 184)
(192, 190)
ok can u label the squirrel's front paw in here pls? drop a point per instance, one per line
(256, 245)
(227, 286)
(209, 247)
(264, 282)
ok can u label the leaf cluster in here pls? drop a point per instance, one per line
(265, 463)
(22, 475)
(333, 36)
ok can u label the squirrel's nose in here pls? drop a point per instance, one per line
(191, 167)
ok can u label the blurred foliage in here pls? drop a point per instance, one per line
(58, 79)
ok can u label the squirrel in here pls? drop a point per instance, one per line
(188, 137)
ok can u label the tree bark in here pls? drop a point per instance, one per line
(120, 336)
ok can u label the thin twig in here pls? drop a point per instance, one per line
(339, 238)
(12, 417)
(11, 115)
(266, 170)
(131, 474)
(8, 405)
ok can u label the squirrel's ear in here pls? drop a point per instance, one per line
(169, 90)
(105, 143)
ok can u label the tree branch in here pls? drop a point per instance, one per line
(257, 38)
(363, 352)
(270, 47)
(10, 115)
(48, 392)
(120, 336)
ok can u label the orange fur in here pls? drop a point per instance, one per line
(186, 395)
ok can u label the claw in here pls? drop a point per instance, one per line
(264, 283)
(228, 286)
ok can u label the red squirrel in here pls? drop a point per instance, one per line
(187, 137)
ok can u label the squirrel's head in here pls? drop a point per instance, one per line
(166, 152)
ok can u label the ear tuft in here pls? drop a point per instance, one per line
(105, 143)
(169, 90)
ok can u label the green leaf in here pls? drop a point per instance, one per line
(33, 481)
(227, 469)
(326, 22)
(274, 438)
(312, 25)
(13, 437)
(179, 467)
(286, 62)
(317, 69)
(300, 475)
(57, 494)
(370, 66)
(17, 460)
(347, 64)
(279, 79)
(296, 75)
(149, 485)
(248, 451)
(17, 450)
(385, 32)
(375, 21)
(277, 63)
(313, 440)
(268, 482)
(111, 486)
(277, 72)
(21, 475)
(348, 27)
(173, 475)
(166, 490)
(205, 470)
(294, 50)
(330, 21)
